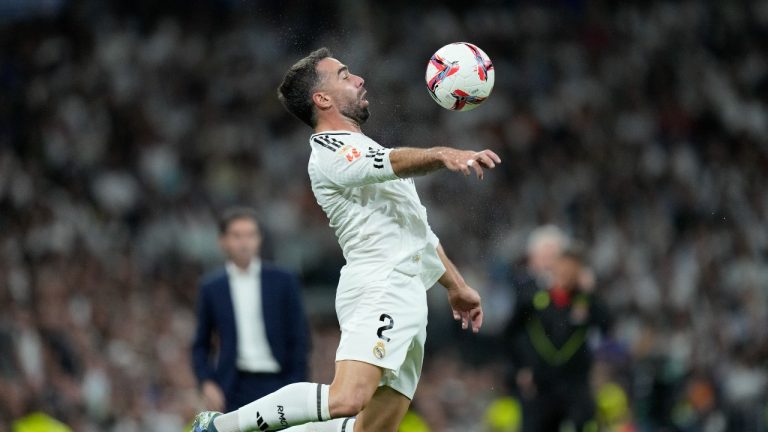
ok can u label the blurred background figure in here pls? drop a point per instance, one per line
(252, 336)
(545, 246)
(549, 334)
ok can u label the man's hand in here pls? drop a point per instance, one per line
(462, 160)
(465, 303)
(213, 396)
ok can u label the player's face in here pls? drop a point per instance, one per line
(345, 89)
(241, 241)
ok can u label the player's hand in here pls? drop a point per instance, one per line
(465, 303)
(467, 161)
(213, 396)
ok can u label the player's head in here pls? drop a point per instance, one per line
(319, 85)
(239, 235)
(544, 246)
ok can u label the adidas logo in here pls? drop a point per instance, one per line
(263, 426)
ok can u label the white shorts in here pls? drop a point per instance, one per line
(385, 324)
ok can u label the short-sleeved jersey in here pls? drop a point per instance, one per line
(378, 218)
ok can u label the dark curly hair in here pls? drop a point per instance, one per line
(295, 92)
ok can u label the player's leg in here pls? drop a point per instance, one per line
(390, 403)
(353, 386)
(296, 404)
(395, 363)
(353, 389)
(379, 323)
(383, 329)
(293, 404)
(384, 412)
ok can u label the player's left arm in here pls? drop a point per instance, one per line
(413, 162)
(464, 300)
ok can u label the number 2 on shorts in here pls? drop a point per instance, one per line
(389, 325)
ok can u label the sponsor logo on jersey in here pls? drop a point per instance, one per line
(350, 153)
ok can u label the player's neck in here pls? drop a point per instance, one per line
(340, 123)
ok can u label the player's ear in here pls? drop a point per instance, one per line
(322, 100)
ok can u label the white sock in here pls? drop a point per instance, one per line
(294, 404)
(227, 422)
(335, 425)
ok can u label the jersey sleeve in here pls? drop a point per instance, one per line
(349, 164)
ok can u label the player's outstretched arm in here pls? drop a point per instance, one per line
(412, 162)
(464, 300)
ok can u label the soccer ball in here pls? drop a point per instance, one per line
(460, 76)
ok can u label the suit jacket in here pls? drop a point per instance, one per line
(284, 321)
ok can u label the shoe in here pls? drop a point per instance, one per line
(204, 422)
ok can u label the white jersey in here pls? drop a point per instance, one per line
(378, 217)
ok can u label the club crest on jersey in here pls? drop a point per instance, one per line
(350, 153)
(379, 351)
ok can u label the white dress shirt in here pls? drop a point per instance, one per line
(378, 217)
(253, 351)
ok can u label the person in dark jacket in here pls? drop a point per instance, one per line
(549, 333)
(252, 335)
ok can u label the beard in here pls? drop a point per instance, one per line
(356, 111)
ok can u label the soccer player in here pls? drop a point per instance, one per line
(392, 258)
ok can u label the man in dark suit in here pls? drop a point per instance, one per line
(252, 336)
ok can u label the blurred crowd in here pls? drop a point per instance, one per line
(641, 128)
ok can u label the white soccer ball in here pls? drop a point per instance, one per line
(460, 76)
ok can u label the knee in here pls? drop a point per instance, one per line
(347, 402)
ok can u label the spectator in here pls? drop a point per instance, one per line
(255, 312)
(549, 334)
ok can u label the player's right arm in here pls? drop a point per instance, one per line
(464, 300)
(412, 162)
